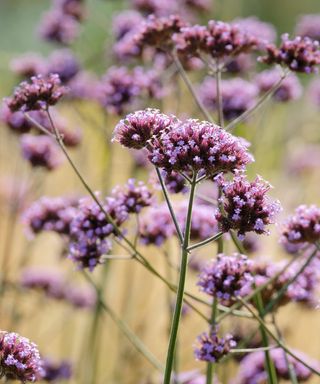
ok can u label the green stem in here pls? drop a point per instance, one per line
(181, 285)
(272, 375)
(215, 237)
(260, 102)
(166, 196)
(211, 366)
(190, 87)
(219, 96)
(136, 342)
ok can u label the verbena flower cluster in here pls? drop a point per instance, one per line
(226, 278)
(289, 89)
(19, 358)
(300, 54)
(252, 367)
(246, 206)
(40, 93)
(237, 96)
(56, 371)
(303, 227)
(50, 214)
(211, 348)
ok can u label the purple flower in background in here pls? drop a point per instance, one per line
(250, 243)
(158, 31)
(226, 278)
(72, 8)
(174, 182)
(19, 358)
(137, 128)
(300, 54)
(81, 297)
(157, 7)
(125, 22)
(85, 85)
(263, 31)
(309, 25)
(303, 227)
(237, 95)
(203, 221)
(290, 88)
(45, 280)
(156, 225)
(58, 27)
(56, 371)
(247, 207)
(50, 214)
(90, 230)
(314, 92)
(40, 93)
(41, 151)
(63, 63)
(16, 121)
(240, 64)
(212, 348)
(133, 196)
(28, 65)
(252, 367)
(193, 146)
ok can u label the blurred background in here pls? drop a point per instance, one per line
(285, 141)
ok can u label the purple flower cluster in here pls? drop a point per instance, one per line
(237, 96)
(28, 65)
(182, 146)
(121, 88)
(46, 280)
(300, 54)
(252, 367)
(203, 221)
(41, 151)
(56, 371)
(137, 128)
(158, 31)
(156, 225)
(211, 348)
(303, 227)
(218, 39)
(50, 214)
(19, 358)
(54, 285)
(90, 228)
(226, 278)
(309, 25)
(61, 24)
(40, 93)
(85, 85)
(290, 88)
(125, 22)
(263, 31)
(133, 196)
(246, 206)
(175, 182)
(193, 146)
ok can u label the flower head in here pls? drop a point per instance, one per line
(246, 205)
(226, 278)
(28, 65)
(237, 95)
(252, 367)
(72, 8)
(309, 25)
(90, 229)
(133, 196)
(303, 227)
(40, 93)
(211, 348)
(55, 371)
(255, 27)
(290, 88)
(137, 128)
(81, 297)
(300, 54)
(193, 146)
(19, 358)
(63, 63)
(50, 214)
(41, 151)
(125, 22)
(175, 182)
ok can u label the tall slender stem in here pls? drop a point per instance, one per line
(191, 89)
(272, 375)
(219, 96)
(181, 285)
(211, 366)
